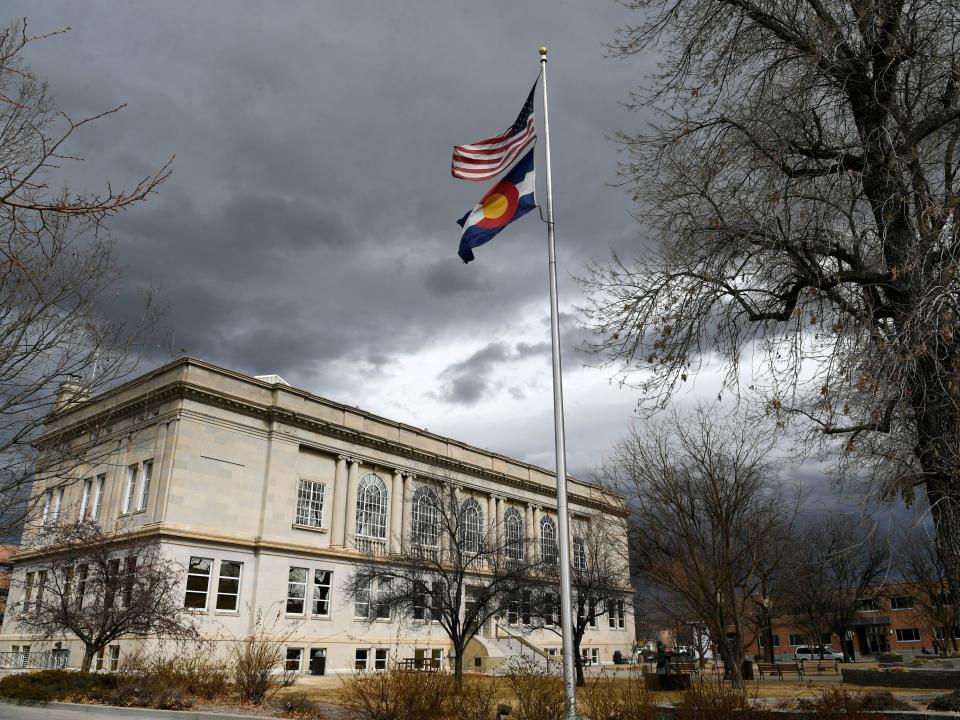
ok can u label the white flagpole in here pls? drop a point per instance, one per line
(563, 517)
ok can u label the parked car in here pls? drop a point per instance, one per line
(809, 652)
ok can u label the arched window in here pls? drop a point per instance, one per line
(425, 528)
(579, 554)
(513, 523)
(372, 507)
(548, 540)
(471, 526)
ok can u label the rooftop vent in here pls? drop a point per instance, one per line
(273, 379)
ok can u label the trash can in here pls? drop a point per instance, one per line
(746, 668)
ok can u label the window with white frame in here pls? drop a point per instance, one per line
(98, 497)
(548, 541)
(198, 583)
(41, 587)
(592, 613)
(322, 583)
(421, 603)
(82, 572)
(361, 601)
(28, 592)
(380, 657)
(902, 602)
(594, 656)
(360, 659)
(425, 525)
(146, 473)
(85, 499)
(25, 656)
(114, 657)
(296, 590)
(579, 554)
(621, 615)
(372, 507)
(310, 503)
(471, 526)
(908, 634)
(130, 488)
(228, 585)
(128, 580)
(294, 659)
(513, 532)
(381, 610)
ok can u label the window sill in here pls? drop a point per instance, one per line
(231, 613)
(309, 528)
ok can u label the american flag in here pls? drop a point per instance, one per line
(486, 158)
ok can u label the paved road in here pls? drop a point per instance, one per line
(92, 712)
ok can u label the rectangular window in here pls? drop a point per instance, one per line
(908, 634)
(380, 657)
(99, 665)
(131, 487)
(322, 580)
(228, 585)
(294, 658)
(47, 502)
(382, 610)
(57, 503)
(579, 554)
(360, 659)
(361, 604)
(25, 657)
(796, 639)
(310, 503)
(114, 657)
(82, 573)
(68, 574)
(595, 656)
(621, 615)
(129, 577)
(41, 586)
(513, 612)
(939, 632)
(146, 473)
(111, 582)
(868, 605)
(198, 583)
(98, 497)
(525, 607)
(421, 605)
(296, 590)
(902, 602)
(85, 498)
(611, 616)
(28, 593)
(592, 613)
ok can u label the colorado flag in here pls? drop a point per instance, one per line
(509, 199)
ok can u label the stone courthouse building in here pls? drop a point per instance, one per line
(268, 497)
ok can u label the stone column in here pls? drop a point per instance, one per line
(501, 509)
(528, 524)
(407, 496)
(396, 511)
(351, 510)
(338, 516)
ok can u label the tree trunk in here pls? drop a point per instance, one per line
(732, 660)
(458, 667)
(768, 639)
(88, 653)
(578, 664)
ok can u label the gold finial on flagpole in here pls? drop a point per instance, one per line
(543, 52)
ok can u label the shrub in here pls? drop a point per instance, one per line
(890, 658)
(838, 704)
(258, 661)
(51, 685)
(884, 701)
(398, 694)
(193, 673)
(715, 700)
(298, 705)
(611, 699)
(539, 694)
(949, 702)
(476, 700)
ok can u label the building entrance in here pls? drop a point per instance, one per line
(318, 661)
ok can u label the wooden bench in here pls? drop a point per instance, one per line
(827, 666)
(683, 666)
(778, 669)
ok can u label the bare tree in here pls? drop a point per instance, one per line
(599, 567)
(838, 564)
(799, 179)
(705, 506)
(921, 569)
(100, 587)
(57, 268)
(453, 568)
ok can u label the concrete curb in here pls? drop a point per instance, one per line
(129, 712)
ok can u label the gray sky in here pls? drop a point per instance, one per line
(308, 229)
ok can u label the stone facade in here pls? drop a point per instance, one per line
(224, 457)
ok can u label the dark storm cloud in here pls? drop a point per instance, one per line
(470, 380)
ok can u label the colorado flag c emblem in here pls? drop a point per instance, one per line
(509, 199)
